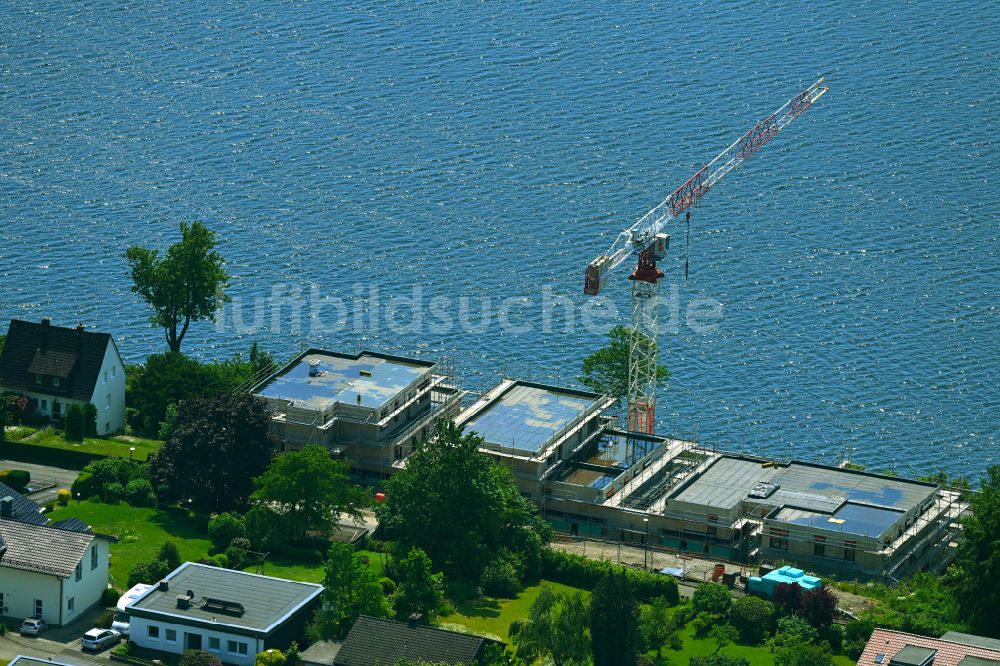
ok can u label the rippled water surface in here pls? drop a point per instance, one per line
(489, 150)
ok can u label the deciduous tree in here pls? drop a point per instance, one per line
(308, 489)
(556, 627)
(976, 571)
(184, 285)
(753, 618)
(658, 625)
(606, 370)
(460, 507)
(218, 446)
(350, 590)
(614, 622)
(420, 589)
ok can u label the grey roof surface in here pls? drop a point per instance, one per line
(977, 661)
(525, 417)
(374, 642)
(42, 548)
(72, 524)
(971, 639)
(815, 488)
(850, 518)
(377, 379)
(22, 660)
(912, 655)
(24, 510)
(321, 652)
(724, 483)
(267, 601)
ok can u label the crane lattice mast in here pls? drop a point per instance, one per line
(648, 241)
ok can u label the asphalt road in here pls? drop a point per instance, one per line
(63, 478)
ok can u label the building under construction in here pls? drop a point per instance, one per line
(591, 479)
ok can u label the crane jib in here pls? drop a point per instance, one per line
(642, 234)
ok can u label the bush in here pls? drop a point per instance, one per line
(89, 412)
(220, 561)
(169, 554)
(199, 658)
(139, 492)
(237, 556)
(63, 496)
(241, 542)
(105, 619)
(388, 586)
(110, 596)
(817, 607)
(580, 571)
(501, 578)
(85, 486)
(18, 479)
(225, 527)
(114, 492)
(712, 598)
(270, 658)
(752, 617)
(704, 622)
(263, 528)
(149, 572)
(74, 424)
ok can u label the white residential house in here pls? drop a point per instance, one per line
(55, 367)
(232, 614)
(52, 572)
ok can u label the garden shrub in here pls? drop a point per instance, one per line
(303, 555)
(225, 527)
(501, 578)
(139, 492)
(388, 585)
(89, 415)
(110, 596)
(74, 424)
(580, 571)
(63, 496)
(114, 492)
(752, 617)
(85, 486)
(199, 658)
(18, 479)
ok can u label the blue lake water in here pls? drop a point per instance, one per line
(479, 151)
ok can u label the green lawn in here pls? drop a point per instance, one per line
(493, 616)
(115, 446)
(141, 532)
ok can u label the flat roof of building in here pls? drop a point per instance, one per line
(526, 416)
(227, 598)
(821, 489)
(368, 379)
(851, 518)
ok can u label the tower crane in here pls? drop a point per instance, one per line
(648, 241)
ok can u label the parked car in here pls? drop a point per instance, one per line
(98, 639)
(33, 626)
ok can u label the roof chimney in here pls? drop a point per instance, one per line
(163, 586)
(80, 328)
(7, 507)
(46, 321)
(414, 619)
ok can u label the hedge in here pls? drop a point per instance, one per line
(47, 455)
(299, 554)
(18, 479)
(580, 571)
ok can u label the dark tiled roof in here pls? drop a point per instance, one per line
(41, 548)
(71, 525)
(75, 356)
(889, 643)
(372, 641)
(24, 510)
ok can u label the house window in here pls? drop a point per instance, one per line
(93, 557)
(70, 604)
(849, 550)
(713, 517)
(153, 632)
(112, 372)
(107, 400)
(172, 635)
(79, 570)
(38, 379)
(711, 530)
(3, 603)
(55, 382)
(213, 644)
(45, 405)
(819, 545)
(38, 608)
(779, 538)
(105, 377)
(236, 647)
